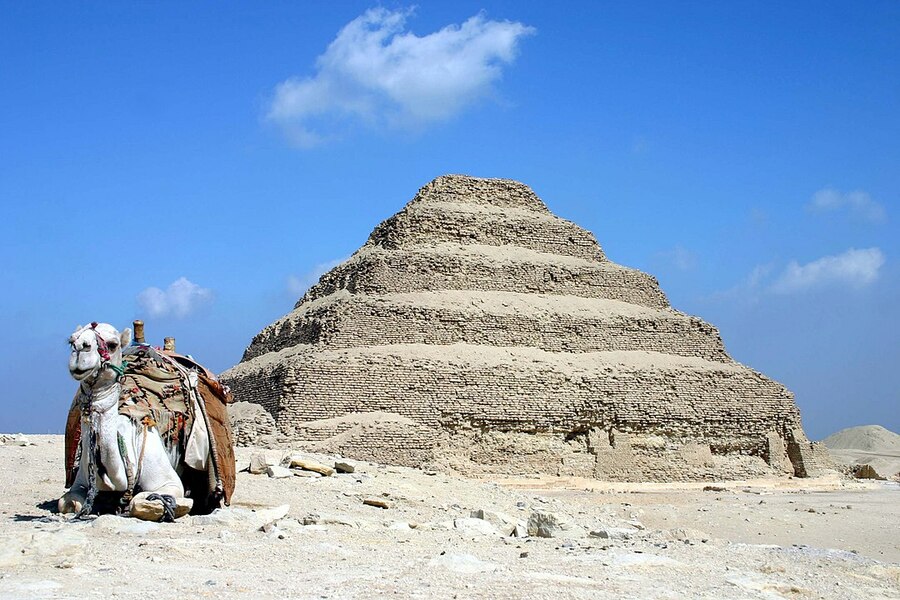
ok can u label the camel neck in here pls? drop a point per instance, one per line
(102, 398)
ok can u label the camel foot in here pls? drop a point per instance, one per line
(151, 506)
(70, 503)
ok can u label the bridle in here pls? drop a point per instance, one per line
(105, 356)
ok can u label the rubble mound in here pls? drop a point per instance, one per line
(868, 450)
(476, 330)
(871, 438)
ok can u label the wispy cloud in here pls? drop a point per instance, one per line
(297, 285)
(858, 203)
(856, 268)
(182, 298)
(679, 257)
(377, 73)
(748, 289)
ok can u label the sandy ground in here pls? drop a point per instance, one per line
(762, 539)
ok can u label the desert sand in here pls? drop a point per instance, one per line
(313, 537)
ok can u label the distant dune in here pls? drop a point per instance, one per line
(867, 444)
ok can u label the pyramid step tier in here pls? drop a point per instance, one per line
(473, 191)
(726, 405)
(377, 271)
(551, 323)
(446, 222)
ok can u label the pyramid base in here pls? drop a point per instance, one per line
(621, 416)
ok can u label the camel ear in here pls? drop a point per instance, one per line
(125, 337)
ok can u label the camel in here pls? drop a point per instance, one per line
(120, 453)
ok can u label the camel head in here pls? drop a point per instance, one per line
(94, 348)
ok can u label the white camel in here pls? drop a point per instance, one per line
(119, 455)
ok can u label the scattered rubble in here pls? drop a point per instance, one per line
(547, 524)
(299, 461)
(444, 535)
(377, 502)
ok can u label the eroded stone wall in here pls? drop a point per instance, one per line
(345, 321)
(375, 271)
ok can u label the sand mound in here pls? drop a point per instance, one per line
(871, 438)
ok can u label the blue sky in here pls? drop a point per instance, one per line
(744, 153)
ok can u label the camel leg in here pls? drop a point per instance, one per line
(74, 499)
(158, 477)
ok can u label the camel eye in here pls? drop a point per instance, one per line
(112, 345)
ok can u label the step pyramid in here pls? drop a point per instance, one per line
(477, 331)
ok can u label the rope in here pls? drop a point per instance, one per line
(119, 370)
(92, 473)
(129, 471)
(169, 506)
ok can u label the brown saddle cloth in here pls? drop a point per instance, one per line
(154, 388)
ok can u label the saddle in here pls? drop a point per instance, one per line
(188, 406)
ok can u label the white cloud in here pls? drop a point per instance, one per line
(377, 73)
(854, 267)
(179, 300)
(298, 285)
(858, 202)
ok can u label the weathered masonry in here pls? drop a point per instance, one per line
(475, 330)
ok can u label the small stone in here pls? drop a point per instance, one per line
(523, 555)
(503, 522)
(272, 531)
(153, 510)
(473, 526)
(636, 524)
(22, 440)
(714, 488)
(343, 466)
(599, 533)
(306, 474)
(298, 461)
(377, 502)
(241, 465)
(544, 523)
(276, 472)
(258, 464)
(520, 531)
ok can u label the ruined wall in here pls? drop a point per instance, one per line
(477, 331)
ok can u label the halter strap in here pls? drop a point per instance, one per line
(102, 347)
